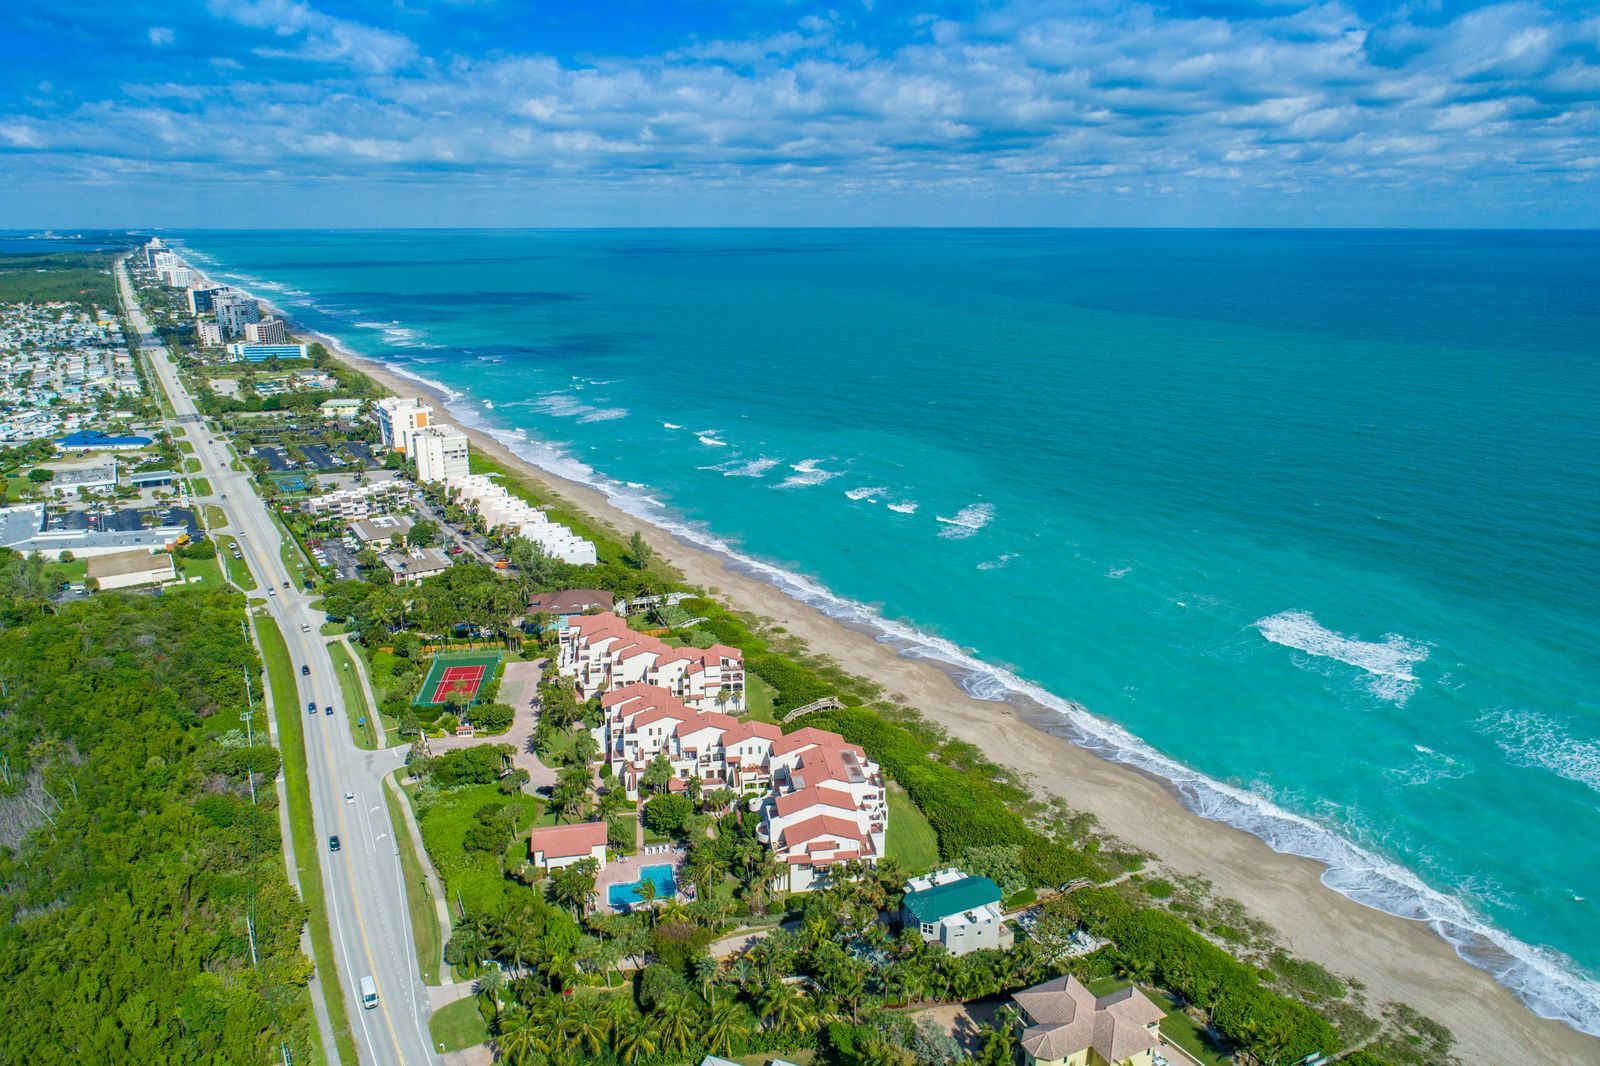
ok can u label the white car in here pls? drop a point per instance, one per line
(272, 592)
(349, 797)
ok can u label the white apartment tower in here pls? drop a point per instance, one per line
(399, 417)
(440, 452)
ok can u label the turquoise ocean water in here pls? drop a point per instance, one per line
(1309, 522)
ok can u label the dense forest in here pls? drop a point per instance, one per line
(147, 913)
(73, 277)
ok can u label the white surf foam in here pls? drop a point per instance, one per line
(807, 473)
(743, 467)
(966, 522)
(562, 405)
(710, 439)
(1548, 983)
(1533, 739)
(904, 507)
(1118, 571)
(1388, 664)
(865, 492)
(670, 425)
(995, 564)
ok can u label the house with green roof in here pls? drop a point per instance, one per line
(957, 910)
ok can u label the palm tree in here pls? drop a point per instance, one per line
(674, 1020)
(705, 970)
(724, 1025)
(488, 987)
(647, 895)
(518, 1036)
(783, 1007)
(589, 1026)
(637, 1041)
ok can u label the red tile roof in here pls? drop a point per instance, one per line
(566, 841)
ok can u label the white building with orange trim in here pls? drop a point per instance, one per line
(602, 654)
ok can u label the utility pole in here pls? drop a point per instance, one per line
(249, 730)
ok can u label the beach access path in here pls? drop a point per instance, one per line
(1397, 959)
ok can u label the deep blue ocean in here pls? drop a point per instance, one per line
(1308, 521)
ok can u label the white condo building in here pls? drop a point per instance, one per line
(267, 331)
(821, 800)
(494, 502)
(602, 654)
(441, 452)
(209, 333)
(398, 417)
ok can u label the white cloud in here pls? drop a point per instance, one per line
(161, 36)
(1023, 98)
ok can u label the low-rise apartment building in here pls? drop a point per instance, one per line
(358, 501)
(501, 510)
(602, 654)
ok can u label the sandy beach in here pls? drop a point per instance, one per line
(1396, 959)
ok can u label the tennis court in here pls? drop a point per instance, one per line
(456, 679)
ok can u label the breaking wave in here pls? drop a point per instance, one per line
(1388, 665)
(806, 472)
(1533, 739)
(966, 522)
(865, 492)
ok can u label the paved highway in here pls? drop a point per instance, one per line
(365, 888)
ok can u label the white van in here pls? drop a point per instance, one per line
(369, 993)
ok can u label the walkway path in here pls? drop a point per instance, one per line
(441, 905)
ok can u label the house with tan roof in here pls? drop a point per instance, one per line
(1067, 1025)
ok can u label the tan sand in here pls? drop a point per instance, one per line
(1397, 959)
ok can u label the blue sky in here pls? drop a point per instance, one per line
(511, 112)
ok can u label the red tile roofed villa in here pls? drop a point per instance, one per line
(555, 846)
(643, 721)
(601, 654)
(1070, 1026)
(827, 805)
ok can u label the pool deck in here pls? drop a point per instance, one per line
(626, 870)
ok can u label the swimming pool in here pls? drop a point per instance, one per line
(628, 894)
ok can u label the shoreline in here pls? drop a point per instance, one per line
(1396, 958)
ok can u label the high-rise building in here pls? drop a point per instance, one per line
(267, 331)
(208, 333)
(176, 277)
(398, 417)
(150, 250)
(235, 311)
(440, 451)
(200, 300)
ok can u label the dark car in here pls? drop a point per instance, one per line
(305, 671)
(311, 708)
(333, 843)
(285, 584)
(327, 710)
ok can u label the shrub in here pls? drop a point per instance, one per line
(667, 813)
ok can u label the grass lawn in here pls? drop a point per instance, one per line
(191, 466)
(458, 1025)
(912, 840)
(355, 697)
(297, 786)
(238, 572)
(215, 517)
(186, 447)
(419, 904)
(1190, 1035)
(558, 748)
(73, 572)
(758, 698)
(476, 877)
(200, 486)
(628, 822)
(209, 571)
